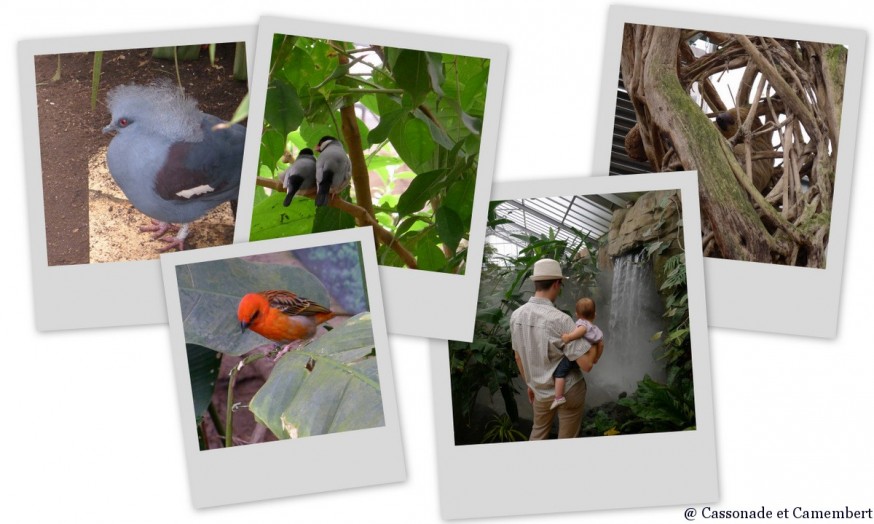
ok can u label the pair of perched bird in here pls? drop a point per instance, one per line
(170, 159)
(321, 177)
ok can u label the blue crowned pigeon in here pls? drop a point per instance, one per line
(168, 159)
(300, 177)
(333, 169)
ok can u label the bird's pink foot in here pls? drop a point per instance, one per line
(177, 242)
(159, 228)
(285, 349)
(172, 242)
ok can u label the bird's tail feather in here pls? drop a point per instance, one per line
(324, 188)
(294, 184)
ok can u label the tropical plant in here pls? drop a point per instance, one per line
(327, 385)
(500, 429)
(424, 148)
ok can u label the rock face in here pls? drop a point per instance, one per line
(654, 217)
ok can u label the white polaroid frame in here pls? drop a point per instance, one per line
(418, 301)
(747, 295)
(314, 464)
(88, 295)
(489, 480)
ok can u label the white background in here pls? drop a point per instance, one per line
(91, 428)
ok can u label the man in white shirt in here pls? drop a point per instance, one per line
(535, 331)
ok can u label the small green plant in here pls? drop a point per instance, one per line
(500, 429)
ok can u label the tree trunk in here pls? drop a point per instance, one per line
(737, 228)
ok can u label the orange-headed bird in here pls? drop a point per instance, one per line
(281, 316)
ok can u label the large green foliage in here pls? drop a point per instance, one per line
(430, 109)
(328, 385)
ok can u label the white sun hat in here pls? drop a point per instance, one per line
(546, 269)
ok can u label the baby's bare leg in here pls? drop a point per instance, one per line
(559, 387)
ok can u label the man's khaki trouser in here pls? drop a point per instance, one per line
(570, 414)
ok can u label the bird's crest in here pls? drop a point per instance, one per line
(160, 108)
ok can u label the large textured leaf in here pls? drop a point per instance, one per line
(412, 75)
(429, 257)
(270, 219)
(203, 369)
(449, 227)
(435, 71)
(341, 393)
(421, 189)
(412, 140)
(209, 293)
(283, 109)
(332, 219)
(459, 198)
(339, 268)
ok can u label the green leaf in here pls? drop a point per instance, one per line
(412, 75)
(272, 148)
(203, 369)
(411, 223)
(412, 140)
(429, 257)
(338, 72)
(472, 123)
(313, 132)
(474, 92)
(283, 110)
(331, 219)
(438, 134)
(421, 189)
(209, 293)
(435, 71)
(459, 198)
(386, 124)
(270, 219)
(241, 113)
(449, 227)
(341, 393)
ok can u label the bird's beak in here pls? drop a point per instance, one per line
(109, 129)
(243, 326)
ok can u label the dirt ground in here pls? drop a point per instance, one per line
(87, 217)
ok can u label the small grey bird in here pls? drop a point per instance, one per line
(333, 169)
(167, 158)
(300, 177)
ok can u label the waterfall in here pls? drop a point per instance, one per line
(635, 314)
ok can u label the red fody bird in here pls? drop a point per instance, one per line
(281, 316)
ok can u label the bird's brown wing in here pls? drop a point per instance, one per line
(291, 304)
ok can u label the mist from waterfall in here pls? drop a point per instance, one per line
(632, 315)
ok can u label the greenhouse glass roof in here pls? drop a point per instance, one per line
(589, 214)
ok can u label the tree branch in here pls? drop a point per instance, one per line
(361, 216)
(787, 94)
(385, 237)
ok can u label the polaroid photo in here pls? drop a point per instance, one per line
(132, 148)
(623, 283)
(368, 127)
(767, 113)
(283, 367)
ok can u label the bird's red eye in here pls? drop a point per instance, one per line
(122, 122)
